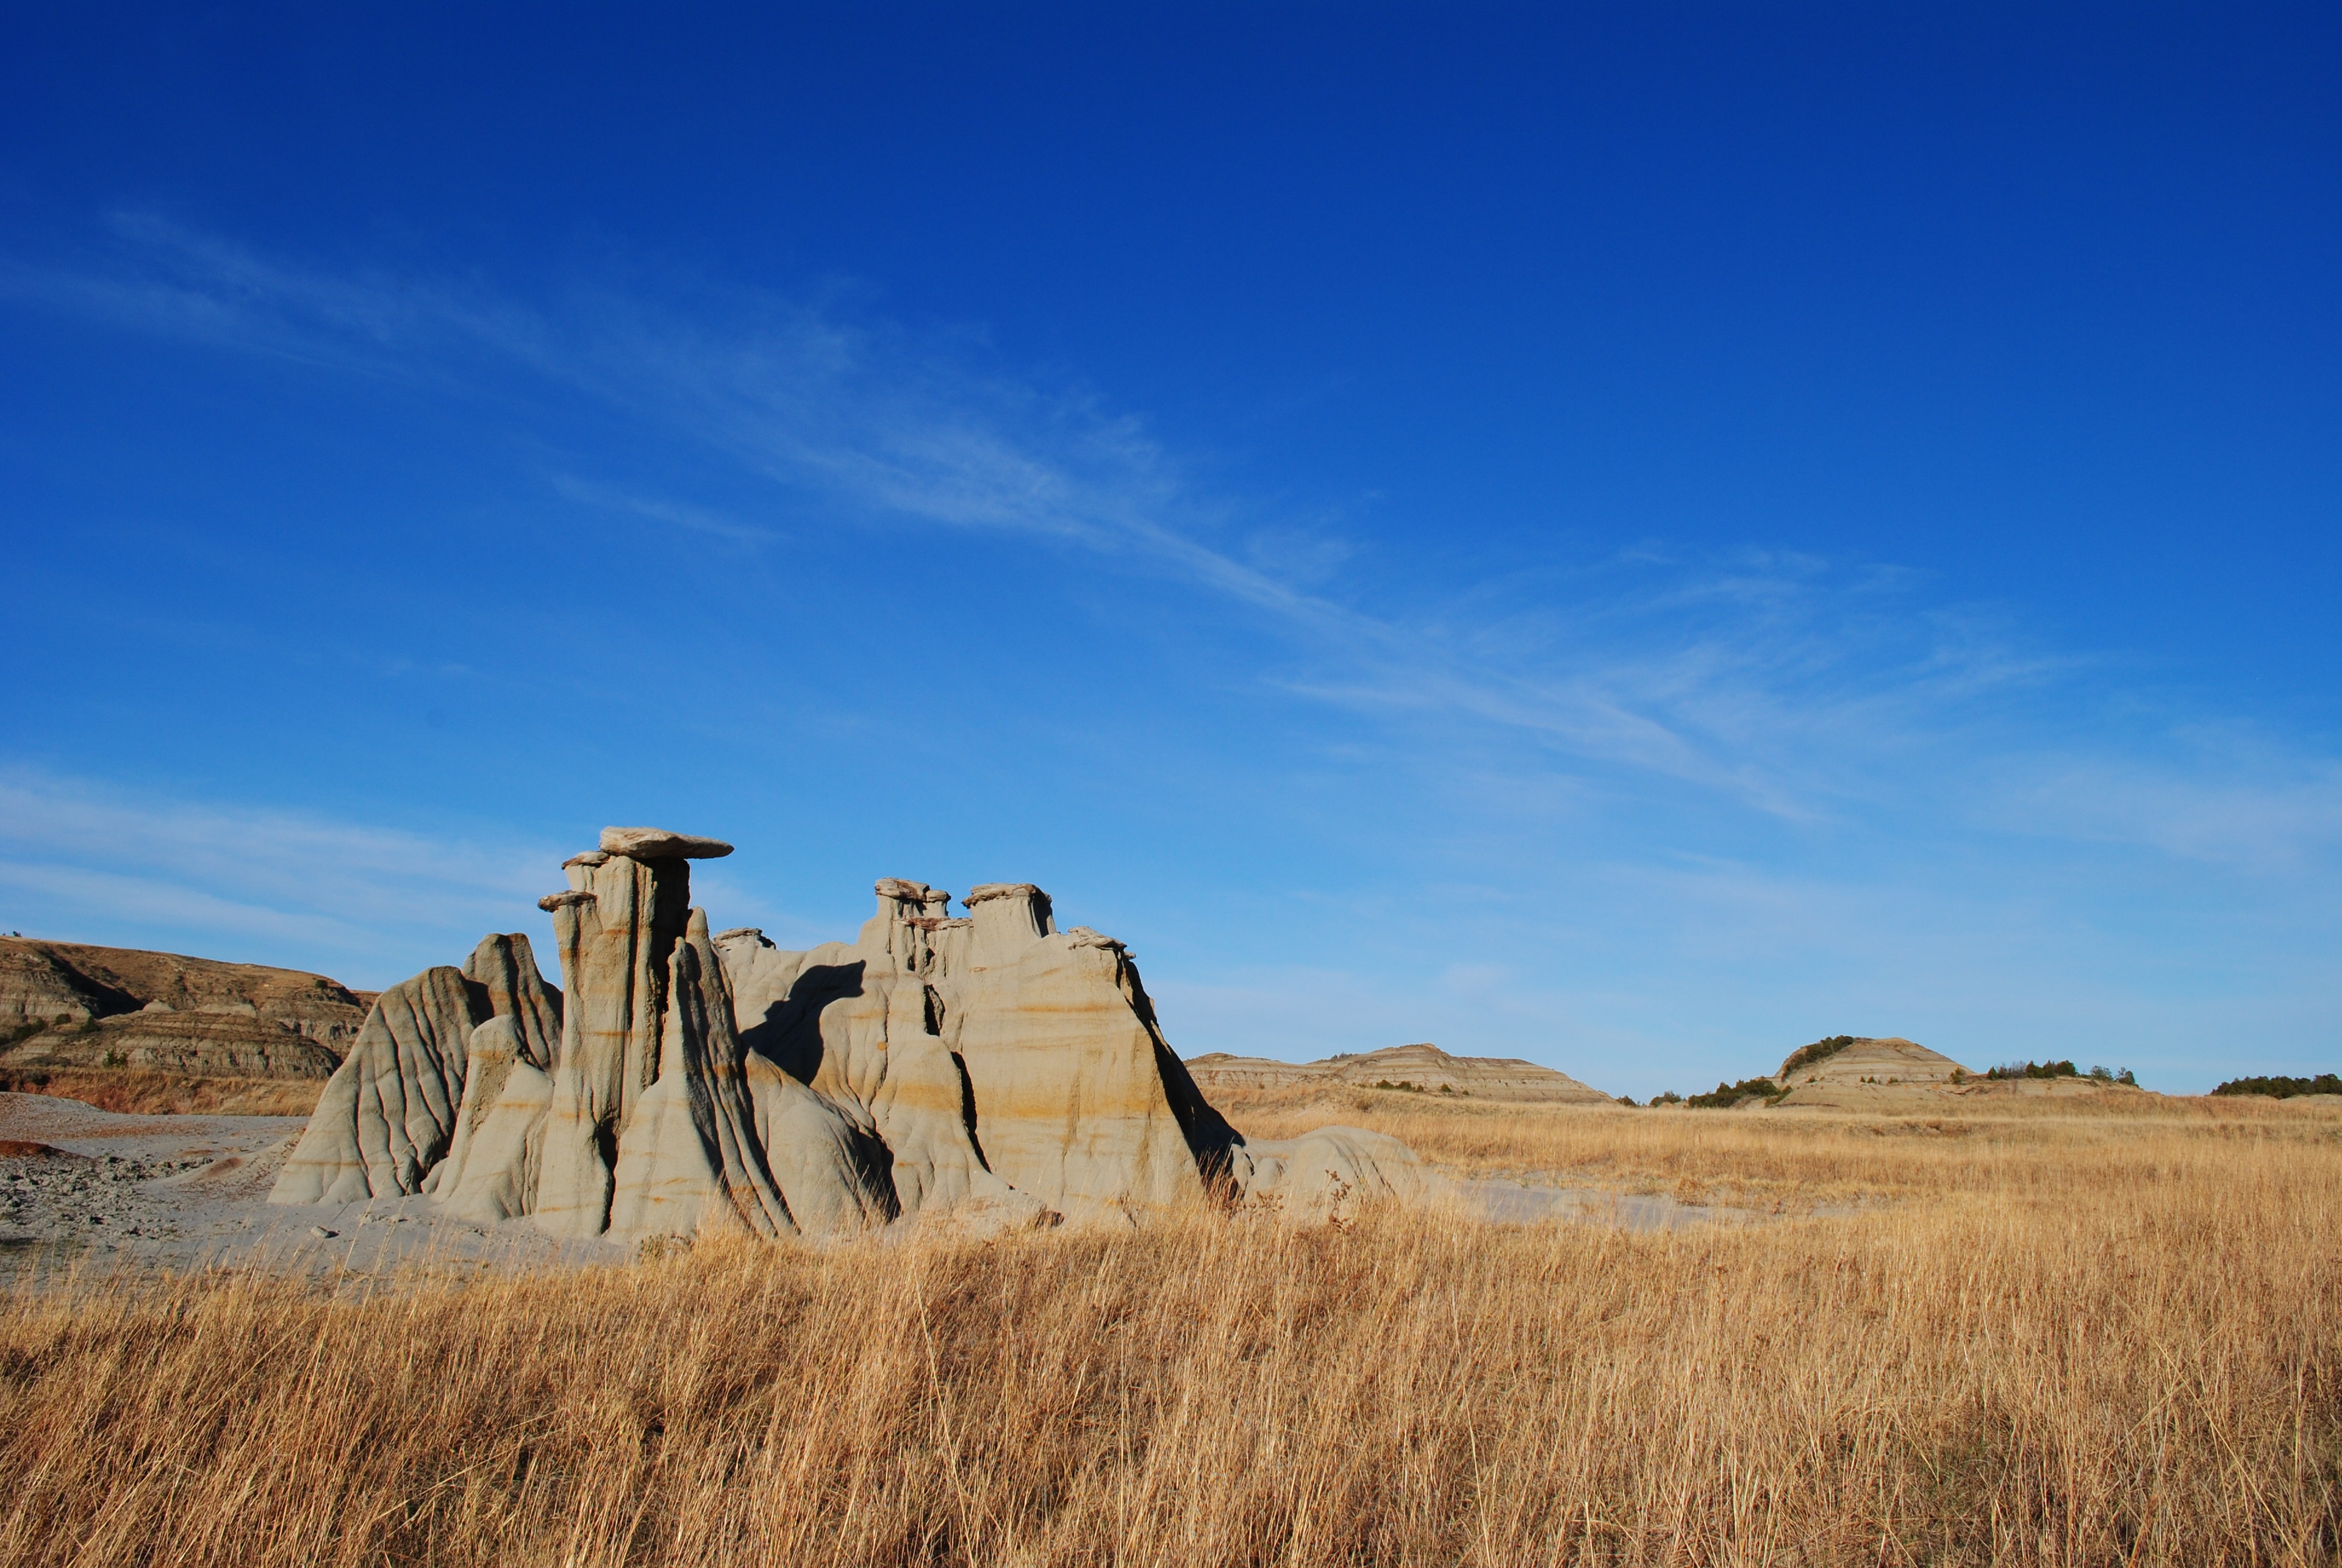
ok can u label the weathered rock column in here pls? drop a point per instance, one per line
(690, 1159)
(1009, 916)
(507, 1089)
(626, 906)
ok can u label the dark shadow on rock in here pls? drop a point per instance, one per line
(789, 1034)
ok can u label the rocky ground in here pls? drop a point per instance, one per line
(81, 1187)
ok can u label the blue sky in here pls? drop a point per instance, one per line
(1631, 537)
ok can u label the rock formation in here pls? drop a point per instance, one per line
(988, 1071)
(1890, 1059)
(63, 1004)
(1424, 1067)
(389, 1112)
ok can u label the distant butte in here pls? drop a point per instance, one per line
(1422, 1066)
(64, 1004)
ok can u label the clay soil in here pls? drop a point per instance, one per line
(2104, 1332)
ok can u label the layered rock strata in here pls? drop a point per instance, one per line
(1424, 1067)
(1890, 1059)
(985, 1071)
(64, 1004)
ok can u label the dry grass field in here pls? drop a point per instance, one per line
(2101, 1333)
(135, 1093)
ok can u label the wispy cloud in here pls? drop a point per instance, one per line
(674, 513)
(1796, 688)
(155, 869)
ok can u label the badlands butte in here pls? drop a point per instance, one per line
(990, 1071)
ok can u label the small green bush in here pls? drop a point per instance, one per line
(2008, 1070)
(2282, 1088)
(1819, 1051)
(1729, 1094)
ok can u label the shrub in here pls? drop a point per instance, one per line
(1729, 1094)
(2282, 1088)
(2007, 1070)
(1669, 1098)
(1819, 1051)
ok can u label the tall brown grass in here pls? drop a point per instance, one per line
(138, 1092)
(2055, 1341)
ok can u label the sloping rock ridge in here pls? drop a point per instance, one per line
(987, 1071)
(64, 1004)
(1426, 1067)
(1864, 1074)
(1889, 1059)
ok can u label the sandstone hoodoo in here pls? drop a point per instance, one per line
(989, 1069)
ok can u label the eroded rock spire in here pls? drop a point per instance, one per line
(987, 1070)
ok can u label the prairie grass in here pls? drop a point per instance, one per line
(2068, 1339)
(136, 1092)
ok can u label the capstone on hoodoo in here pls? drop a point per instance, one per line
(990, 1068)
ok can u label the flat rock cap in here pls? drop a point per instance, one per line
(553, 901)
(990, 890)
(658, 844)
